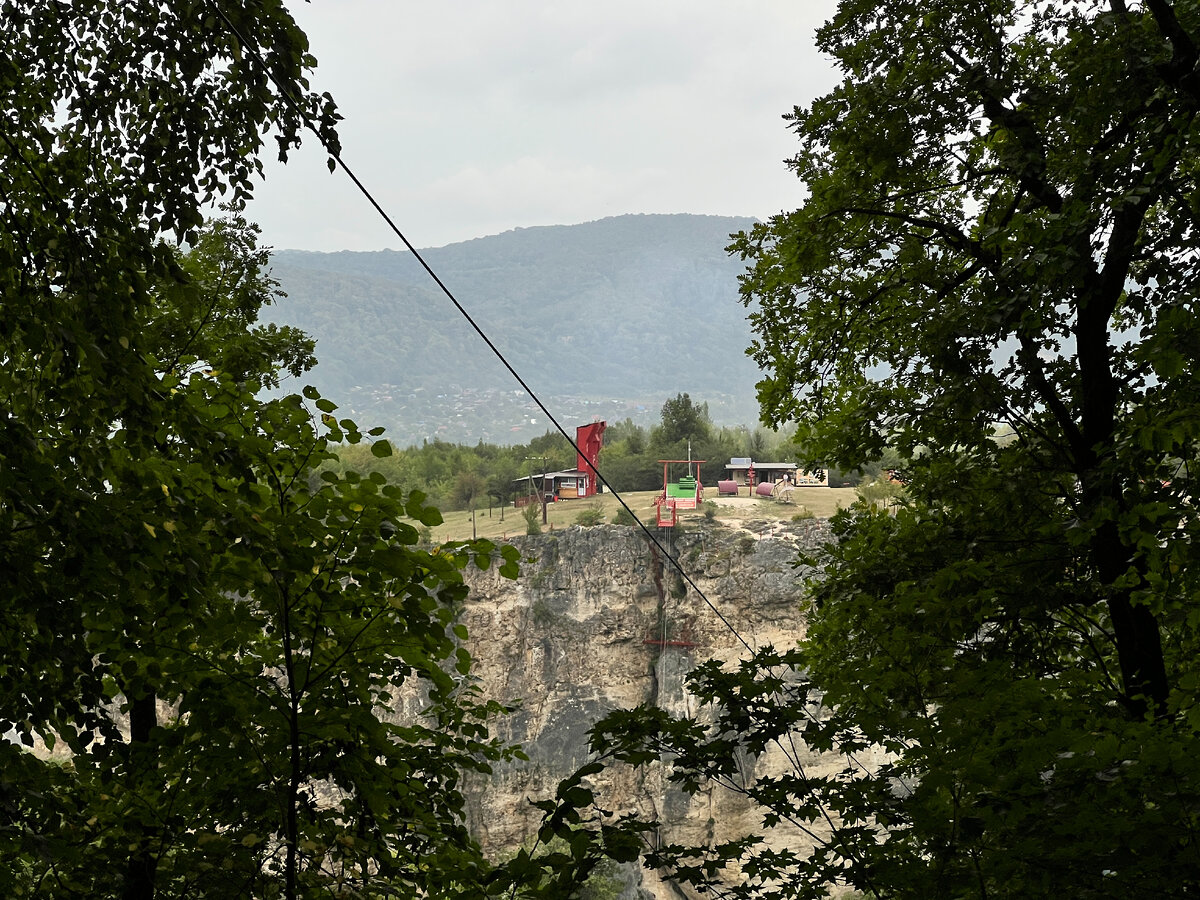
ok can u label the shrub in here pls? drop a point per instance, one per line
(590, 515)
(710, 510)
(541, 612)
(532, 515)
(624, 517)
(879, 493)
(804, 513)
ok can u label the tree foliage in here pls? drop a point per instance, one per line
(683, 420)
(211, 314)
(124, 120)
(628, 460)
(1000, 231)
(205, 640)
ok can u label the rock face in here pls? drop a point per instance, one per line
(598, 622)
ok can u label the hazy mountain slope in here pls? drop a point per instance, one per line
(632, 309)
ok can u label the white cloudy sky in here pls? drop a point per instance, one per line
(472, 117)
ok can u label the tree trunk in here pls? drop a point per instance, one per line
(143, 861)
(1135, 627)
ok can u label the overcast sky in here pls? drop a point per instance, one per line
(468, 118)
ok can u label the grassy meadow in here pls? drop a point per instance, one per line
(821, 502)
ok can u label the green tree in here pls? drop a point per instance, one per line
(214, 632)
(211, 314)
(501, 481)
(682, 420)
(879, 492)
(628, 433)
(627, 471)
(756, 444)
(469, 487)
(262, 754)
(141, 87)
(1010, 229)
(249, 646)
(1001, 229)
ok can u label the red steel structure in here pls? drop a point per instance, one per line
(589, 439)
(687, 493)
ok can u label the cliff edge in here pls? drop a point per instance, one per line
(597, 621)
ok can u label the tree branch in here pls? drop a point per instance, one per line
(1035, 372)
(1180, 72)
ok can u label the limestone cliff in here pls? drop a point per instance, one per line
(598, 622)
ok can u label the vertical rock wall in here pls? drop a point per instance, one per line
(598, 622)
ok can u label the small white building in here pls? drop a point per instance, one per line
(739, 469)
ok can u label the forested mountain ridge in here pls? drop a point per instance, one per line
(606, 318)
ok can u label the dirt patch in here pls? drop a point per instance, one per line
(821, 502)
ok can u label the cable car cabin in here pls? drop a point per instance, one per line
(686, 493)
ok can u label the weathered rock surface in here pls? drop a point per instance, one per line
(598, 622)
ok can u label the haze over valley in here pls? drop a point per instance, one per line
(605, 319)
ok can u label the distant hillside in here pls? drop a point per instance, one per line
(606, 319)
